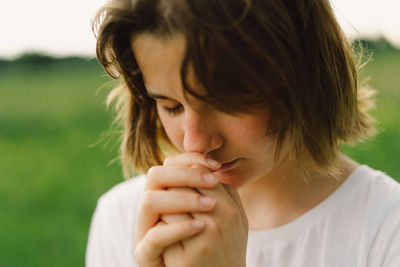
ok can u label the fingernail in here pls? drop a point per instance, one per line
(213, 163)
(207, 201)
(209, 178)
(197, 224)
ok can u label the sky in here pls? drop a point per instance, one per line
(62, 27)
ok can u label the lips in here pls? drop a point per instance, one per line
(228, 165)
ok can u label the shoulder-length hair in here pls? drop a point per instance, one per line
(290, 57)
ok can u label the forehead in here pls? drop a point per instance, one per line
(159, 60)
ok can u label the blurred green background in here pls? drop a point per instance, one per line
(54, 164)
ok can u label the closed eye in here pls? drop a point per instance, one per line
(167, 104)
(173, 110)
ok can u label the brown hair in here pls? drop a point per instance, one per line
(289, 56)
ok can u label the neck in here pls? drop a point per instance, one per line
(281, 197)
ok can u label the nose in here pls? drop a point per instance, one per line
(201, 134)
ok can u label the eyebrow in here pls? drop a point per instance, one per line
(157, 96)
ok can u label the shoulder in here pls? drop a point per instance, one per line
(383, 182)
(377, 194)
(375, 186)
(383, 195)
(125, 193)
(110, 241)
(367, 199)
(383, 192)
(384, 248)
(381, 221)
(117, 208)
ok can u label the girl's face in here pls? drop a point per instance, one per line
(239, 142)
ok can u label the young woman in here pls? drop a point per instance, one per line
(235, 110)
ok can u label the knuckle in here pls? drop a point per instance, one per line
(167, 160)
(193, 172)
(198, 157)
(161, 223)
(152, 172)
(198, 166)
(147, 200)
(137, 253)
(152, 176)
(152, 240)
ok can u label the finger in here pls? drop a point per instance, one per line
(149, 250)
(157, 202)
(219, 192)
(160, 177)
(160, 223)
(174, 252)
(173, 218)
(222, 193)
(224, 189)
(226, 197)
(191, 158)
(172, 201)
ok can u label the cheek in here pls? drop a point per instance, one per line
(172, 129)
(250, 129)
(252, 137)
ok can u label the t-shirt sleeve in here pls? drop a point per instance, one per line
(385, 251)
(111, 239)
(104, 246)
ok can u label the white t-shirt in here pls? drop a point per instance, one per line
(358, 225)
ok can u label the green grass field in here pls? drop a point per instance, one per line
(383, 151)
(51, 173)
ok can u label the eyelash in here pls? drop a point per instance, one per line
(175, 110)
